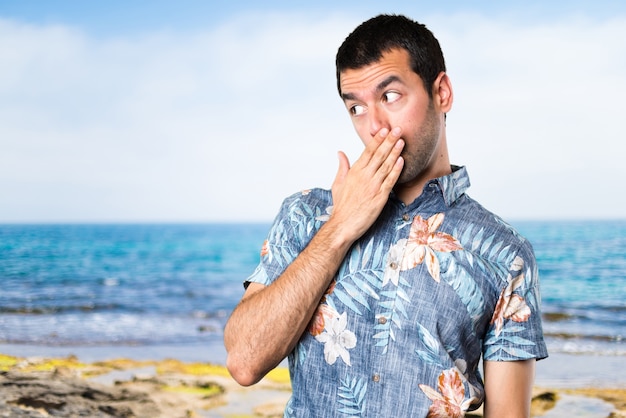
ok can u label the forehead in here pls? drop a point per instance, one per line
(392, 63)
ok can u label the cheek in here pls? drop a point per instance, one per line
(412, 120)
(404, 120)
(415, 114)
(362, 132)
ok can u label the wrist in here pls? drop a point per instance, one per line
(337, 237)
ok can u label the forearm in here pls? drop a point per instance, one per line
(270, 320)
(267, 324)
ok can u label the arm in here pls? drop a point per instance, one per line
(269, 320)
(508, 388)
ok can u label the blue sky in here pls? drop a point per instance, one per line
(137, 111)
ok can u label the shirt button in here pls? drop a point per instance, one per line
(406, 217)
(382, 320)
(376, 377)
(393, 265)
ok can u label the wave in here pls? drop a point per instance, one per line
(593, 312)
(91, 341)
(51, 310)
(558, 316)
(574, 336)
(586, 346)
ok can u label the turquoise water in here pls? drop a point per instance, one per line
(146, 285)
(121, 284)
(582, 267)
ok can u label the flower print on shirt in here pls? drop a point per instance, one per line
(475, 392)
(265, 249)
(449, 401)
(323, 313)
(394, 257)
(424, 240)
(510, 305)
(337, 340)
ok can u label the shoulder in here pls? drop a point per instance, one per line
(313, 197)
(302, 214)
(472, 214)
(481, 231)
(299, 218)
(313, 203)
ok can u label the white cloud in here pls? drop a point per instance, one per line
(537, 114)
(223, 124)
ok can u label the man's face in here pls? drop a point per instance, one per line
(387, 94)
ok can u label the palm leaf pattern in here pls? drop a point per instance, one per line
(491, 256)
(504, 342)
(495, 348)
(430, 352)
(361, 278)
(302, 222)
(352, 396)
(393, 304)
(465, 286)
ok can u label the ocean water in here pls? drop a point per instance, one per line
(582, 268)
(175, 285)
(90, 285)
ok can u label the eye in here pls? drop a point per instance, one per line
(357, 110)
(391, 96)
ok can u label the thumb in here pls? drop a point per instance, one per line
(344, 163)
(344, 167)
(342, 172)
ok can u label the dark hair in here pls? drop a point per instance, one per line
(383, 33)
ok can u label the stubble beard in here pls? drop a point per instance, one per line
(420, 150)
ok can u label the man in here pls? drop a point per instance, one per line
(385, 292)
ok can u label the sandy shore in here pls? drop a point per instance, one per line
(33, 387)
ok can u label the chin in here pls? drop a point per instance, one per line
(408, 176)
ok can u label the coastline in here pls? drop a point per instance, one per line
(176, 380)
(560, 370)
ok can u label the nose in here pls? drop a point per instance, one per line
(377, 119)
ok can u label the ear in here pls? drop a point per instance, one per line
(442, 92)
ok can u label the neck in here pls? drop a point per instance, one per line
(440, 166)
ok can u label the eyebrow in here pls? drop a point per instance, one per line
(381, 86)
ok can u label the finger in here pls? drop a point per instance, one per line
(387, 148)
(372, 146)
(390, 180)
(387, 157)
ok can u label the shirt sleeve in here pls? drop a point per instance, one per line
(515, 331)
(298, 219)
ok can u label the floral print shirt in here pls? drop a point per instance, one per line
(420, 297)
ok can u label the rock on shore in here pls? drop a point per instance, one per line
(36, 388)
(41, 394)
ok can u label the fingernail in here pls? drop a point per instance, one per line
(384, 132)
(396, 131)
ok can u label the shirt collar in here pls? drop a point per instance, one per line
(453, 185)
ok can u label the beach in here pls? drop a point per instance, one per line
(136, 381)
